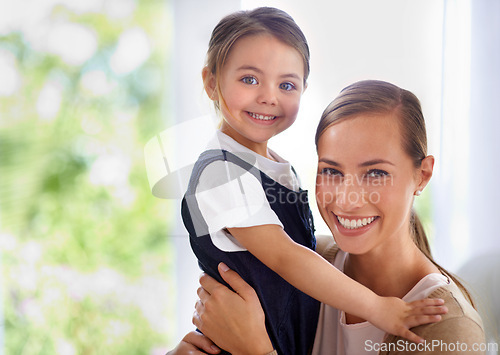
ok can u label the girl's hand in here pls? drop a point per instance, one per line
(233, 320)
(396, 316)
(195, 343)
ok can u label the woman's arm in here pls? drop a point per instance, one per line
(313, 275)
(233, 320)
(194, 343)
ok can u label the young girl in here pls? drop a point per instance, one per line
(244, 205)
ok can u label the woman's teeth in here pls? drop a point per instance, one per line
(261, 117)
(355, 223)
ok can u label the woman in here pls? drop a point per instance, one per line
(372, 161)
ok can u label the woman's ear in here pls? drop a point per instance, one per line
(425, 171)
(210, 84)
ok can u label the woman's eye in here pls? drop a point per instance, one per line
(330, 172)
(375, 173)
(249, 80)
(287, 86)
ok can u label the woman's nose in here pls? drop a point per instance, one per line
(350, 196)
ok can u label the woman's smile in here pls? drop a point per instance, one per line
(356, 222)
(353, 226)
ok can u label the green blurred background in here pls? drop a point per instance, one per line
(84, 255)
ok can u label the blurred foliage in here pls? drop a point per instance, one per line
(85, 259)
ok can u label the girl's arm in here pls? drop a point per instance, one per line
(310, 273)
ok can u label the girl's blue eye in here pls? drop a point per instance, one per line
(249, 80)
(375, 173)
(287, 86)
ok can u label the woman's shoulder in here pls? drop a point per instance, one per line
(458, 305)
(460, 327)
(462, 322)
(326, 247)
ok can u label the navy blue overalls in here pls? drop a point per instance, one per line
(291, 315)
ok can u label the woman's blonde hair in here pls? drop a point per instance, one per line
(373, 96)
(262, 20)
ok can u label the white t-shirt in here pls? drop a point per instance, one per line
(229, 196)
(334, 336)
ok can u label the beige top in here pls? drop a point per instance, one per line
(461, 328)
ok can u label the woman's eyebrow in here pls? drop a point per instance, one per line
(375, 162)
(364, 164)
(329, 162)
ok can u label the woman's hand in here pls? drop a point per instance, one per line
(195, 343)
(233, 320)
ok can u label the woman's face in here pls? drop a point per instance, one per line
(366, 182)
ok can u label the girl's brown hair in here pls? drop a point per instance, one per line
(262, 20)
(372, 96)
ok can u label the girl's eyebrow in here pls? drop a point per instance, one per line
(364, 164)
(257, 70)
(291, 75)
(249, 67)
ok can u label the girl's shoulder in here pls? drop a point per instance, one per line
(223, 169)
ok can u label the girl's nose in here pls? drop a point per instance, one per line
(267, 95)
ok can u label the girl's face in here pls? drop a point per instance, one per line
(261, 83)
(366, 182)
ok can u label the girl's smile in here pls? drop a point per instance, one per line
(262, 119)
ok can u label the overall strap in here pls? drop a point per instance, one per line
(212, 155)
(197, 225)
